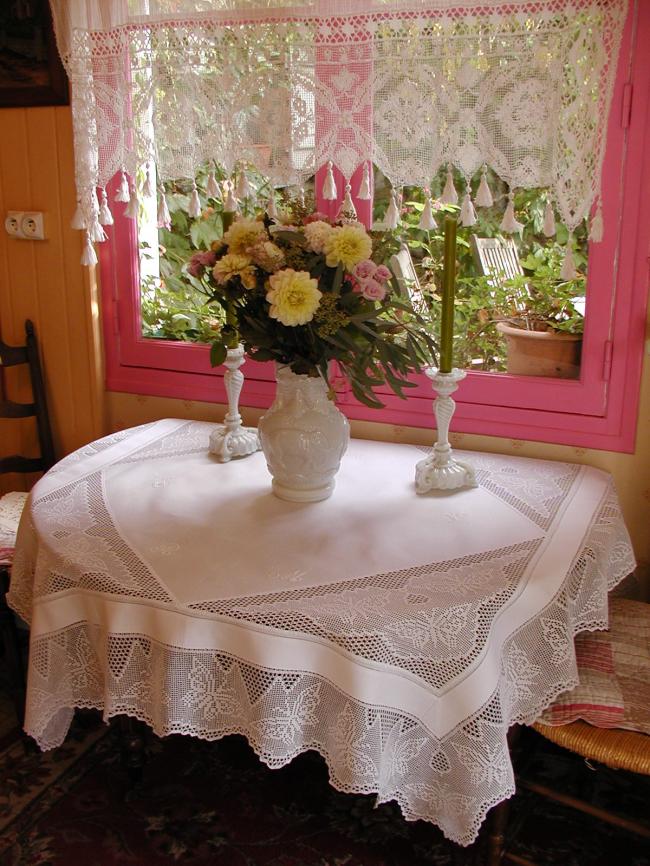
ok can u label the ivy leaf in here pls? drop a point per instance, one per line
(218, 352)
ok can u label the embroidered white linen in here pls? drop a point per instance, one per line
(398, 635)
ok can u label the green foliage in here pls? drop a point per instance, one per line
(540, 296)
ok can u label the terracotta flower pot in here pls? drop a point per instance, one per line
(541, 353)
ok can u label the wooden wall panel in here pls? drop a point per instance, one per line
(44, 281)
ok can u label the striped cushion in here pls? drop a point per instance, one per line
(614, 670)
(11, 507)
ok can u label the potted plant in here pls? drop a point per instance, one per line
(541, 320)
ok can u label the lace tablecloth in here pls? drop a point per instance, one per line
(398, 635)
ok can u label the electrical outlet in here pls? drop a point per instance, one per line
(13, 222)
(32, 226)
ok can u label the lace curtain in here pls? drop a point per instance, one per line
(522, 86)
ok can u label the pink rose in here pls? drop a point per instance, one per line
(208, 258)
(364, 270)
(382, 273)
(199, 262)
(373, 291)
(355, 285)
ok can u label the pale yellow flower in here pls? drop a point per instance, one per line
(232, 265)
(347, 245)
(316, 234)
(243, 234)
(294, 297)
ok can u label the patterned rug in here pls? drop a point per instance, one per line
(215, 803)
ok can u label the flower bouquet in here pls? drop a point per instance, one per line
(311, 293)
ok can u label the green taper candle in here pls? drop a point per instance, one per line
(448, 289)
(227, 219)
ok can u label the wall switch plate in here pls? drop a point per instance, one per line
(25, 225)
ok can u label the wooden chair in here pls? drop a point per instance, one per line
(496, 257)
(401, 264)
(12, 504)
(616, 748)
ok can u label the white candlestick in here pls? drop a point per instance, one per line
(232, 439)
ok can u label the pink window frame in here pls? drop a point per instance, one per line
(597, 411)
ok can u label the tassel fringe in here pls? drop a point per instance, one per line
(105, 215)
(392, 219)
(163, 218)
(467, 211)
(484, 193)
(212, 187)
(596, 230)
(330, 192)
(509, 223)
(364, 193)
(88, 256)
(230, 204)
(194, 207)
(449, 194)
(568, 271)
(427, 221)
(549, 221)
(131, 210)
(244, 189)
(148, 190)
(96, 232)
(347, 212)
(271, 208)
(123, 193)
(78, 221)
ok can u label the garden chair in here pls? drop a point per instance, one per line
(12, 504)
(496, 257)
(401, 264)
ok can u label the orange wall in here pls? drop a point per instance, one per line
(43, 280)
(46, 282)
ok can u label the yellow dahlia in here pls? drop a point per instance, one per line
(294, 297)
(232, 265)
(243, 234)
(347, 245)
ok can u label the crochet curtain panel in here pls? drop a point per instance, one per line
(410, 86)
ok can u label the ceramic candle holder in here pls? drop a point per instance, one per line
(440, 471)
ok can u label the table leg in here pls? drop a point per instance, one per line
(132, 745)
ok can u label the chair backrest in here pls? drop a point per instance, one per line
(401, 264)
(10, 356)
(496, 257)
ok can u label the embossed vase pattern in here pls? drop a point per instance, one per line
(303, 436)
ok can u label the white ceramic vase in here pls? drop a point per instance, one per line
(303, 437)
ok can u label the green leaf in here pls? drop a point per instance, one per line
(218, 352)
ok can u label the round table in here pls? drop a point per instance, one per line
(398, 635)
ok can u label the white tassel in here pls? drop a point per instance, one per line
(78, 220)
(123, 193)
(392, 220)
(483, 196)
(131, 210)
(244, 189)
(347, 213)
(271, 208)
(467, 212)
(549, 221)
(449, 194)
(164, 219)
(427, 222)
(148, 190)
(212, 187)
(194, 207)
(568, 270)
(96, 232)
(105, 215)
(230, 204)
(364, 193)
(330, 193)
(89, 256)
(597, 228)
(509, 222)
